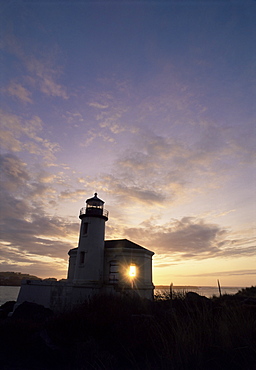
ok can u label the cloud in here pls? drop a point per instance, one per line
(41, 71)
(14, 172)
(170, 168)
(12, 259)
(139, 195)
(98, 105)
(35, 232)
(18, 91)
(72, 195)
(187, 236)
(18, 134)
(228, 273)
(19, 186)
(29, 234)
(112, 120)
(109, 109)
(73, 117)
(45, 76)
(49, 87)
(153, 171)
(94, 134)
(126, 192)
(190, 238)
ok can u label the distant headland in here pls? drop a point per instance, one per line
(8, 278)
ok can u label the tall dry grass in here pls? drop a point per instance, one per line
(185, 332)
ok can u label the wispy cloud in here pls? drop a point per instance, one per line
(13, 130)
(74, 118)
(73, 195)
(45, 76)
(98, 105)
(42, 71)
(227, 273)
(18, 91)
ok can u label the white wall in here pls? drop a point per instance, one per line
(91, 245)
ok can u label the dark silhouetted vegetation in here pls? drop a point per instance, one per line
(121, 333)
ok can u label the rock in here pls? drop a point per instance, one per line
(32, 312)
(6, 308)
(196, 297)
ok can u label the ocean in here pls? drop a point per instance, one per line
(10, 293)
(207, 291)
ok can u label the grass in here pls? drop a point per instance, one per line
(185, 332)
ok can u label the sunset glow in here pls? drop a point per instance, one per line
(149, 104)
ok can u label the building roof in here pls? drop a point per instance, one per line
(120, 244)
(124, 244)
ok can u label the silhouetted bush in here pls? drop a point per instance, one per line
(121, 333)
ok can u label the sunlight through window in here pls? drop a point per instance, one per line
(132, 271)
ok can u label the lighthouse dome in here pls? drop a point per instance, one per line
(95, 202)
(95, 208)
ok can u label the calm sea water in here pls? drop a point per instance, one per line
(10, 293)
(207, 291)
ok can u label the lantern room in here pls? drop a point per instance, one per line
(94, 208)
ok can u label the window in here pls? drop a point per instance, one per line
(85, 228)
(113, 272)
(132, 271)
(82, 258)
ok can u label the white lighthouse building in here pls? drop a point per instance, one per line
(95, 267)
(89, 265)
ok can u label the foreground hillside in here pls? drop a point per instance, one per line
(185, 332)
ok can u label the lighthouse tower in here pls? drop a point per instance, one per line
(89, 263)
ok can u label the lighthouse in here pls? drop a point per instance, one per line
(89, 259)
(96, 266)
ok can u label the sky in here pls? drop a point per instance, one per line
(151, 104)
